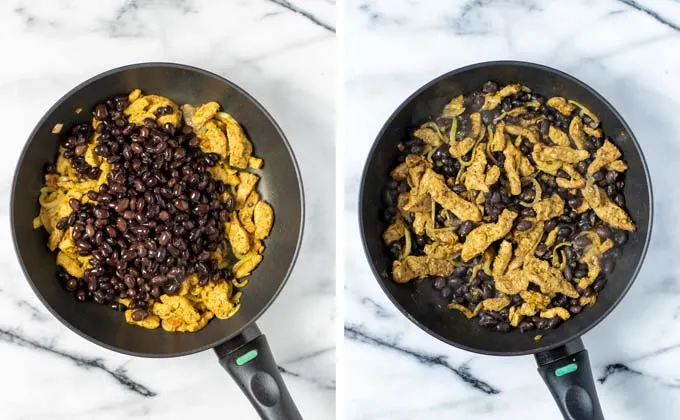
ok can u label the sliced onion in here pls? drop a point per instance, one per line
(585, 110)
(434, 127)
(240, 284)
(487, 267)
(555, 262)
(533, 104)
(430, 153)
(475, 270)
(407, 244)
(454, 130)
(486, 149)
(243, 260)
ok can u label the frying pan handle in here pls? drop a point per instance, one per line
(249, 360)
(566, 371)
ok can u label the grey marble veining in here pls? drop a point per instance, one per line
(282, 52)
(625, 50)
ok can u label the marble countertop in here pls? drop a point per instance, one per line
(627, 50)
(282, 52)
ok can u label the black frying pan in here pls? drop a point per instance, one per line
(574, 392)
(241, 348)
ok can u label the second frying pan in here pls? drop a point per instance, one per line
(240, 346)
(575, 392)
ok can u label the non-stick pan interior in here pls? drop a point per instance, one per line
(417, 299)
(280, 185)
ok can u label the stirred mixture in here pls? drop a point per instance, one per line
(511, 205)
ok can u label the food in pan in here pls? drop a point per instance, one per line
(153, 210)
(511, 205)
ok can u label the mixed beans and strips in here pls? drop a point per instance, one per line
(152, 209)
(511, 204)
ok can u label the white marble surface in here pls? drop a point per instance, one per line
(630, 56)
(282, 52)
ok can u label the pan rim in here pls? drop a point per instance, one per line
(159, 65)
(452, 73)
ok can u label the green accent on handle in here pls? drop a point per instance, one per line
(245, 358)
(566, 369)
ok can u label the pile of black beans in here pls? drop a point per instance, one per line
(75, 146)
(156, 220)
(461, 287)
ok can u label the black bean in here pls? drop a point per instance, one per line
(101, 213)
(525, 326)
(159, 281)
(524, 225)
(581, 242)
(130, 281)
(603, 232)
(460, 271)
(122, 204)
(554, 323)
(527, 195)
(172, 288)
(550, 225)
(62, 224)
(506, 104)
(487, 292)
(528, 212)
(486, 320)
(465, 228)
(542, 251)
(581, 270)
(503, 327)
(71, 285)
(81, 295)
(620, 200)
(75, 204)
(100, 112)
(599, 284)
(155, 291)
(620, 237)
(181, 205)
(611, 177)
(459, 188)
(564, 231)
(118, 307)
(574, 202)
(490, 87)
(139, 315)
(439, 283)
(560, 300)
(607, 265)
(542, 324)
